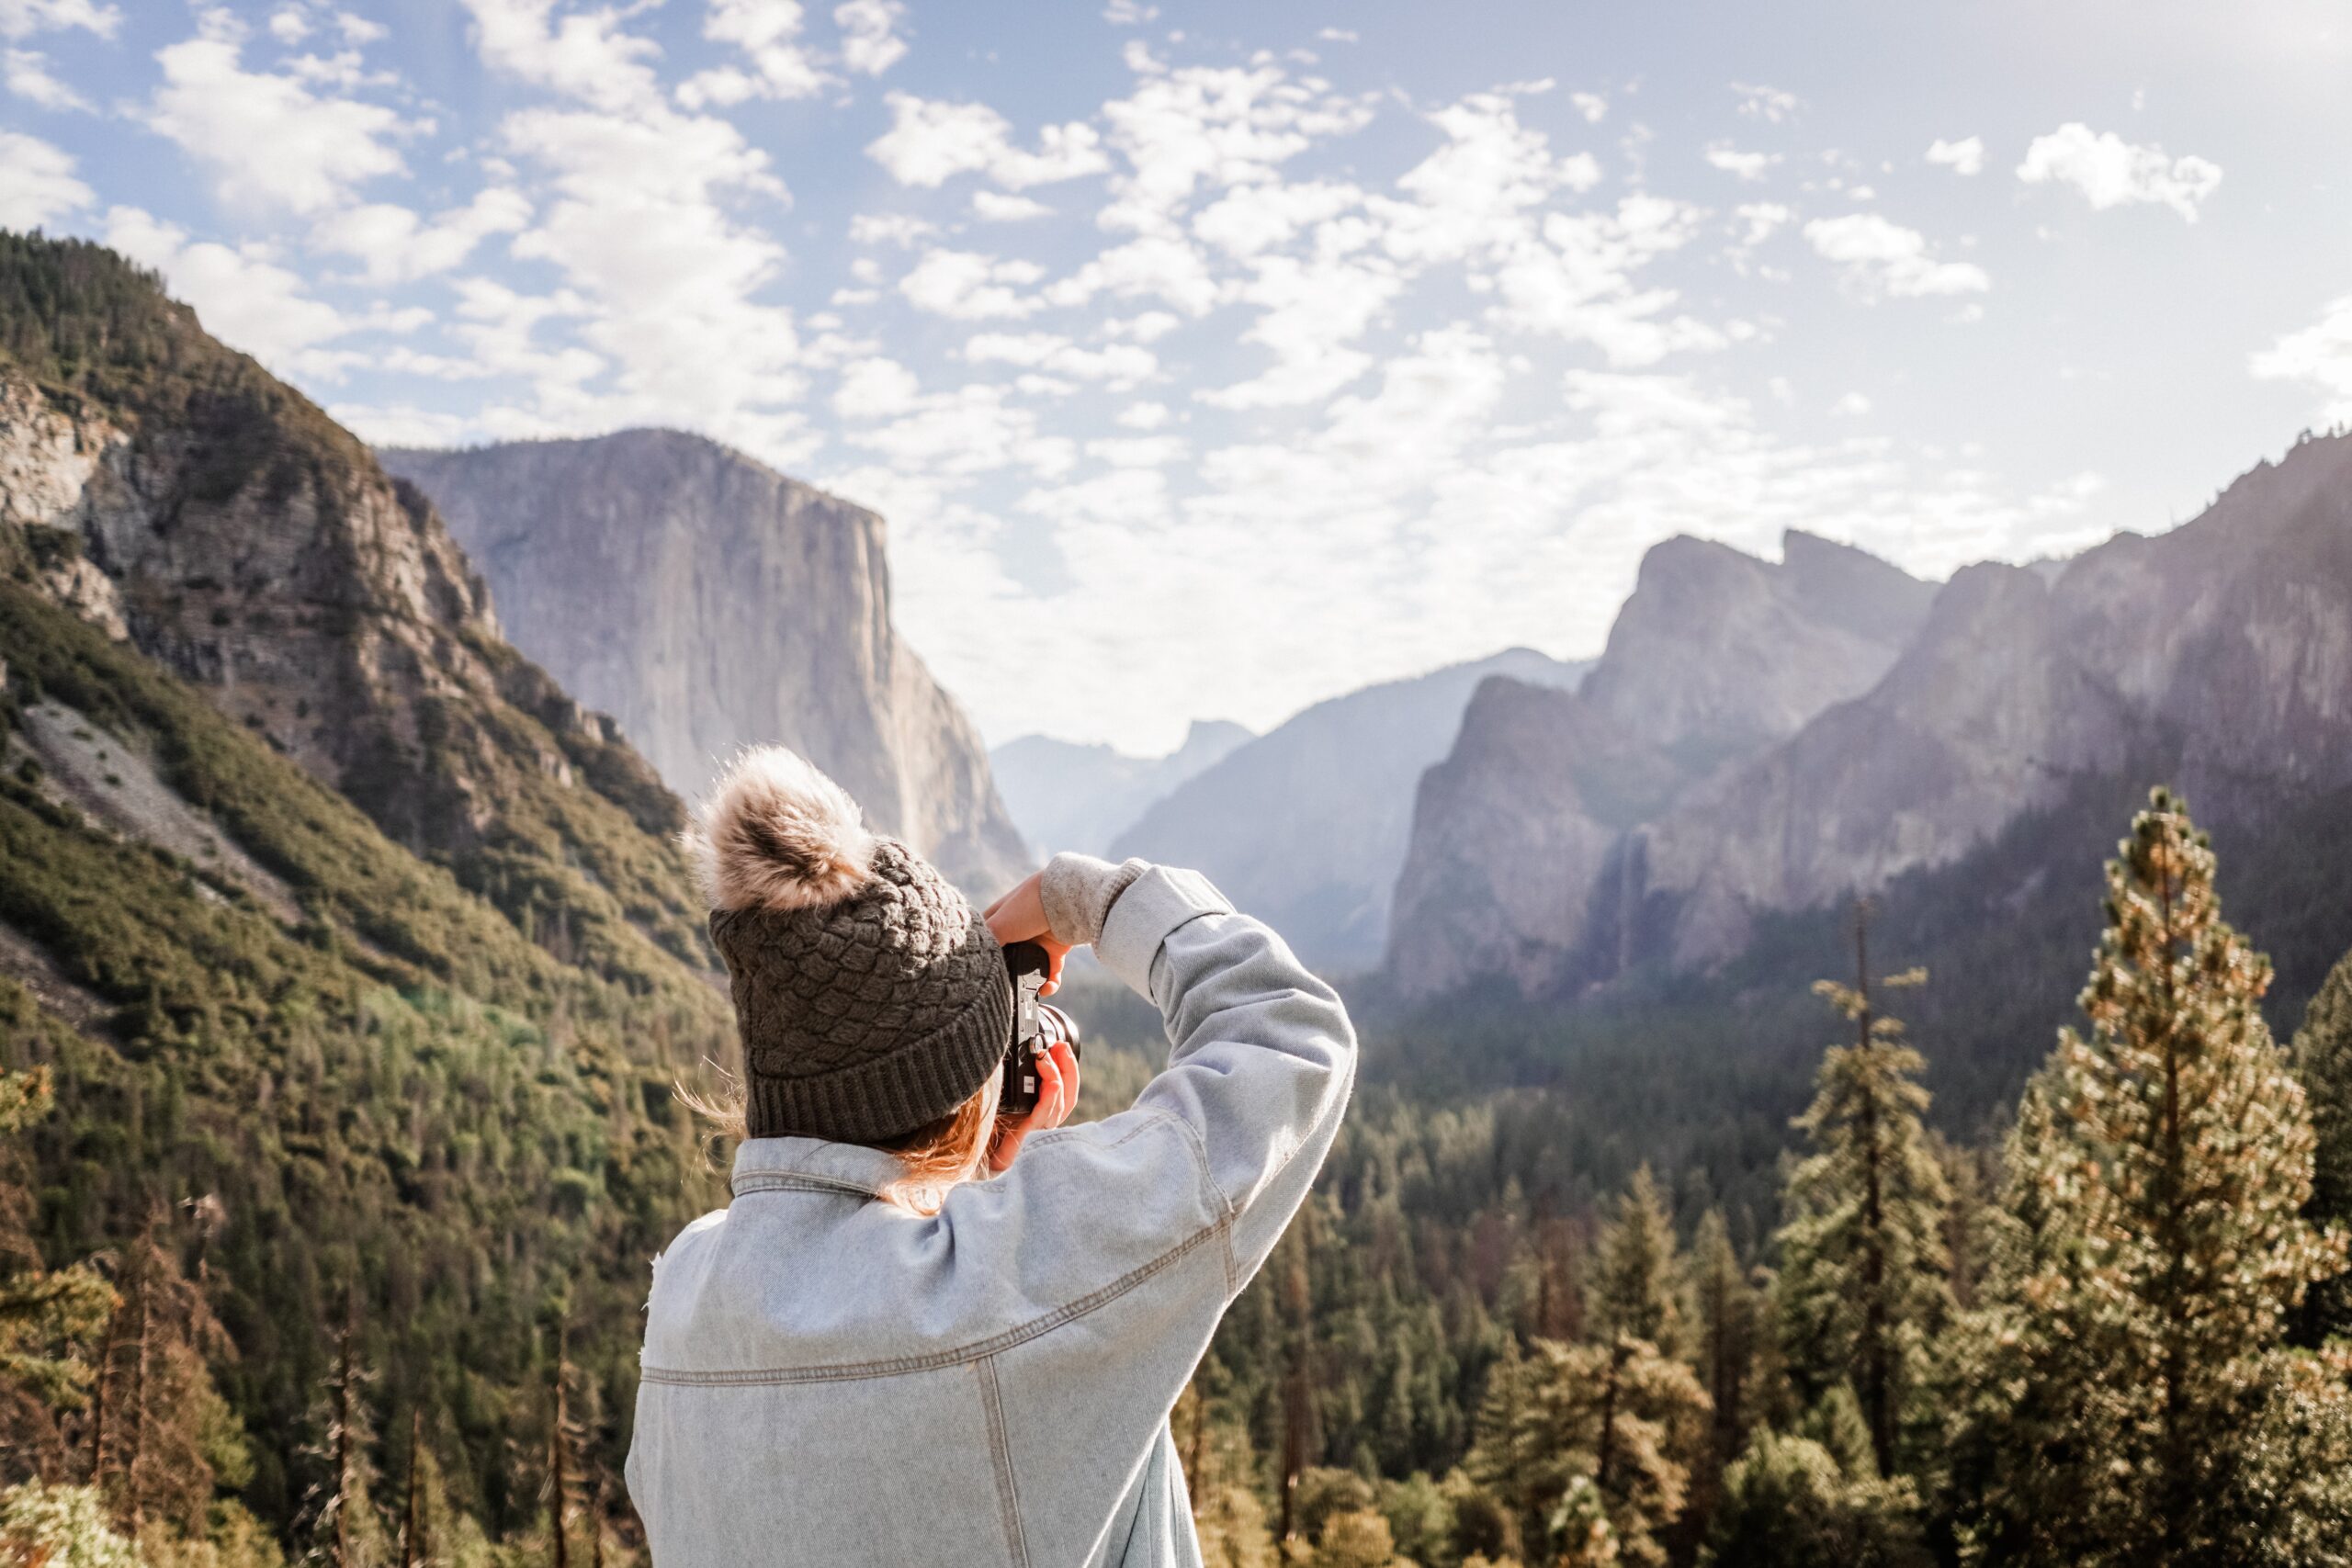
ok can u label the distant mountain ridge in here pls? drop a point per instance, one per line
(2217, 657)
(1066, 796)
(709, 602)
(1305, 827)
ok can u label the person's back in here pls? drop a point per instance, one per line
(841, 1370)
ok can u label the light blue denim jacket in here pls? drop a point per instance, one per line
(829, 1380)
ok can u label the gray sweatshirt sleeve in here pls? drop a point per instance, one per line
(1262, 1055)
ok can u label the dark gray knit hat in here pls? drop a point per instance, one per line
(870, 997)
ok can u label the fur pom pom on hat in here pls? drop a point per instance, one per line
(777, 834)
(871, 1000)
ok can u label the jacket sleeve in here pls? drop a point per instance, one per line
(1261, 1055)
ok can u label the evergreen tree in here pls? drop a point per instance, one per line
(2322, 1057)
(1727, 1303)
(1633, 1293)
(49, 1319)
(1622, 1416)
(1220, 1473)
(1864, 1269)
(2107, 1400)
(1787, 1503)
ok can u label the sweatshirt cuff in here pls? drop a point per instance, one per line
(1161, 899)
(1078, 892)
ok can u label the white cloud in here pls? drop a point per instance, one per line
(902, 229)
(1769, 105)
(1745, 166)
(965, 285)
(767, 33)
(1121, 365)
(394, 244)
(247, 299)
(1311, 312)
(22, 18)
(1143, 416)
(585, 55)
(2320, 356)
(1153, 267)
(931, 141)
(1221, 127)
(1339, 35)
(37, 183)
(996, 207)
(2111, 172)
(1473, 194)
(288, 25)
(870, 43)
(358, 30)
(28, 78)
(1852, 405)
(1877, 256)
(268, 140)
(1593, 106)
(1761, 220)
(1966, 156)
(1128, 12)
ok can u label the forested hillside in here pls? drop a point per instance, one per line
(368, 1150)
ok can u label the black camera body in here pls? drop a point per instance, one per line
(1037, 1027)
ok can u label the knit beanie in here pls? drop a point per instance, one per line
(870, 997)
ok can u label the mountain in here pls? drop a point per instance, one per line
(1520, 838)
(1065, 795)
(356, 951)
(1305, 826)
(173, 493)
(709, 602)
(2217, 657)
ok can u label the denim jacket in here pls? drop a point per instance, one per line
(829, 1380)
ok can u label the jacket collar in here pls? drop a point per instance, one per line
(812, 1162)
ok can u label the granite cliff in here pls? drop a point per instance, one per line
(1305, 826)
(2217, 657)
(709, 601)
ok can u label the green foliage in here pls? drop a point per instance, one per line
(1787, 1503)
(2323, 1061)
(1864, 1283)
(378, 1103)
(60, 1526)
(2151, 1244)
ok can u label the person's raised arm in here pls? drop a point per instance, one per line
(1261, 1055)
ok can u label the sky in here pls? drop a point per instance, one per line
(1210, 360)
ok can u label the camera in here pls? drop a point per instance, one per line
(1037, 1027)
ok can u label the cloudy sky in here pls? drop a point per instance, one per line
(1212, 359)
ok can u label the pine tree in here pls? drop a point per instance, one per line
(1864, 1269)
(339, 1515)
(1220, 1474)
(1623, 1416)
(49, 1319)
(2323, 1057)
(1726, 1306)
(1787, 1503)
(2151, 1243)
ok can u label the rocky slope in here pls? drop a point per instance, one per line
(709, 603)
(1064, 795)
(1305, 826)
(2217, 657)
(1715, 656)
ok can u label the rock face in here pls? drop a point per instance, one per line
(1305, 827)
(2217, 657)
(1064, 795)
(1716, 657)
(179, 497)
(709, 602)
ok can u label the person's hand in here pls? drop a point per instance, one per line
(1020, 916)
(1057, 1098)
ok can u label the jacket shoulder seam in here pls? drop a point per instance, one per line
(995, 1345)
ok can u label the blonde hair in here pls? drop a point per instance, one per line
(937, 1156)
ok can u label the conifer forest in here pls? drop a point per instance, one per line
(1765, 592)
